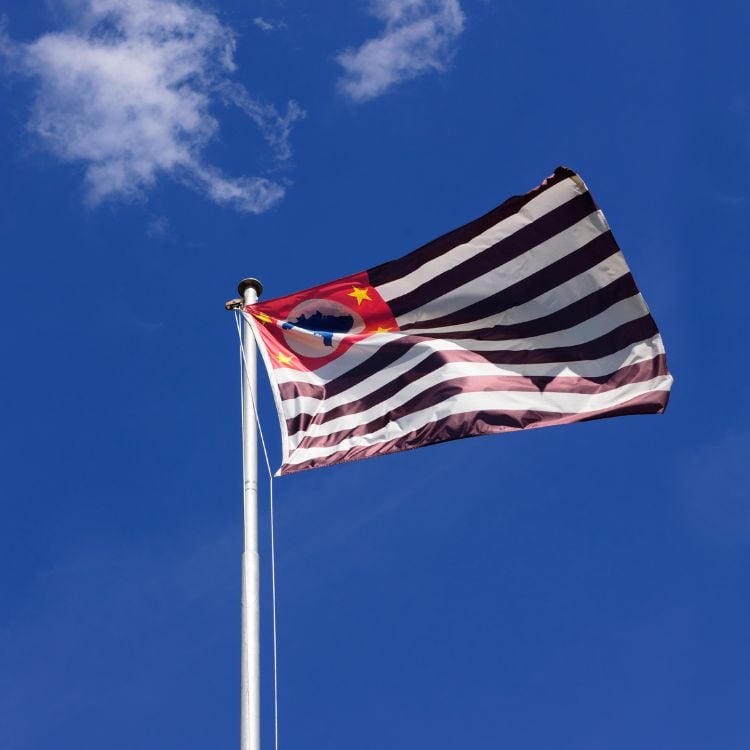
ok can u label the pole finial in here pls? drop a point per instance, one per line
(250, 283)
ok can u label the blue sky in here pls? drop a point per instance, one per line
(577, 587)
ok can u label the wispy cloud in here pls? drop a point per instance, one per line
(276, 129)
(265, 25)
(419, 37)
(158, 227)
(127, 90)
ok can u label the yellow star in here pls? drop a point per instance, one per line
(383, 330)
(284, 359)
(263, 318)
(360, 294)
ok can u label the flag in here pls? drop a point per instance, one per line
(526, 317)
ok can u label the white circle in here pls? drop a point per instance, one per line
(313, 323)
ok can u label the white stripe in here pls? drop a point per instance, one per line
(599, 325)
(361, 350)
(443, 374)
(550, 199)
(591, 280)
(468, 403)
(592, 368)
(431, 379)
(411, 358)
(562, 244)
(621, 312)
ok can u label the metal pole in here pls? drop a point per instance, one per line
(250, 290)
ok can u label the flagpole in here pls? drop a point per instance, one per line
(250, 289)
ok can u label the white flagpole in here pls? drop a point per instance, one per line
(250, 290)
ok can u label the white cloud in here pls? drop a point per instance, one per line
(419, 36)
(127, 89)
(275, 128)
(158, 227)
(265, 25)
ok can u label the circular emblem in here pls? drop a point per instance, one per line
(311, 327)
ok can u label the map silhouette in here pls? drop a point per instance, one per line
(322, 325)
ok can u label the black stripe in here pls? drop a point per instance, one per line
(299, 389)
(521, 241)
(396, 269)
(437, 394)
(528, 288)
(577, 312)
(379, 360)
(475, 424)
(613, 341)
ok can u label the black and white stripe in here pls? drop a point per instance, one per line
(525, 317)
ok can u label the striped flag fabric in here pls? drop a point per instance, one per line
(526, 317)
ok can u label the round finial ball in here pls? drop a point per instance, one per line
(250, 283)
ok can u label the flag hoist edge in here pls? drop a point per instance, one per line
(526, 317)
